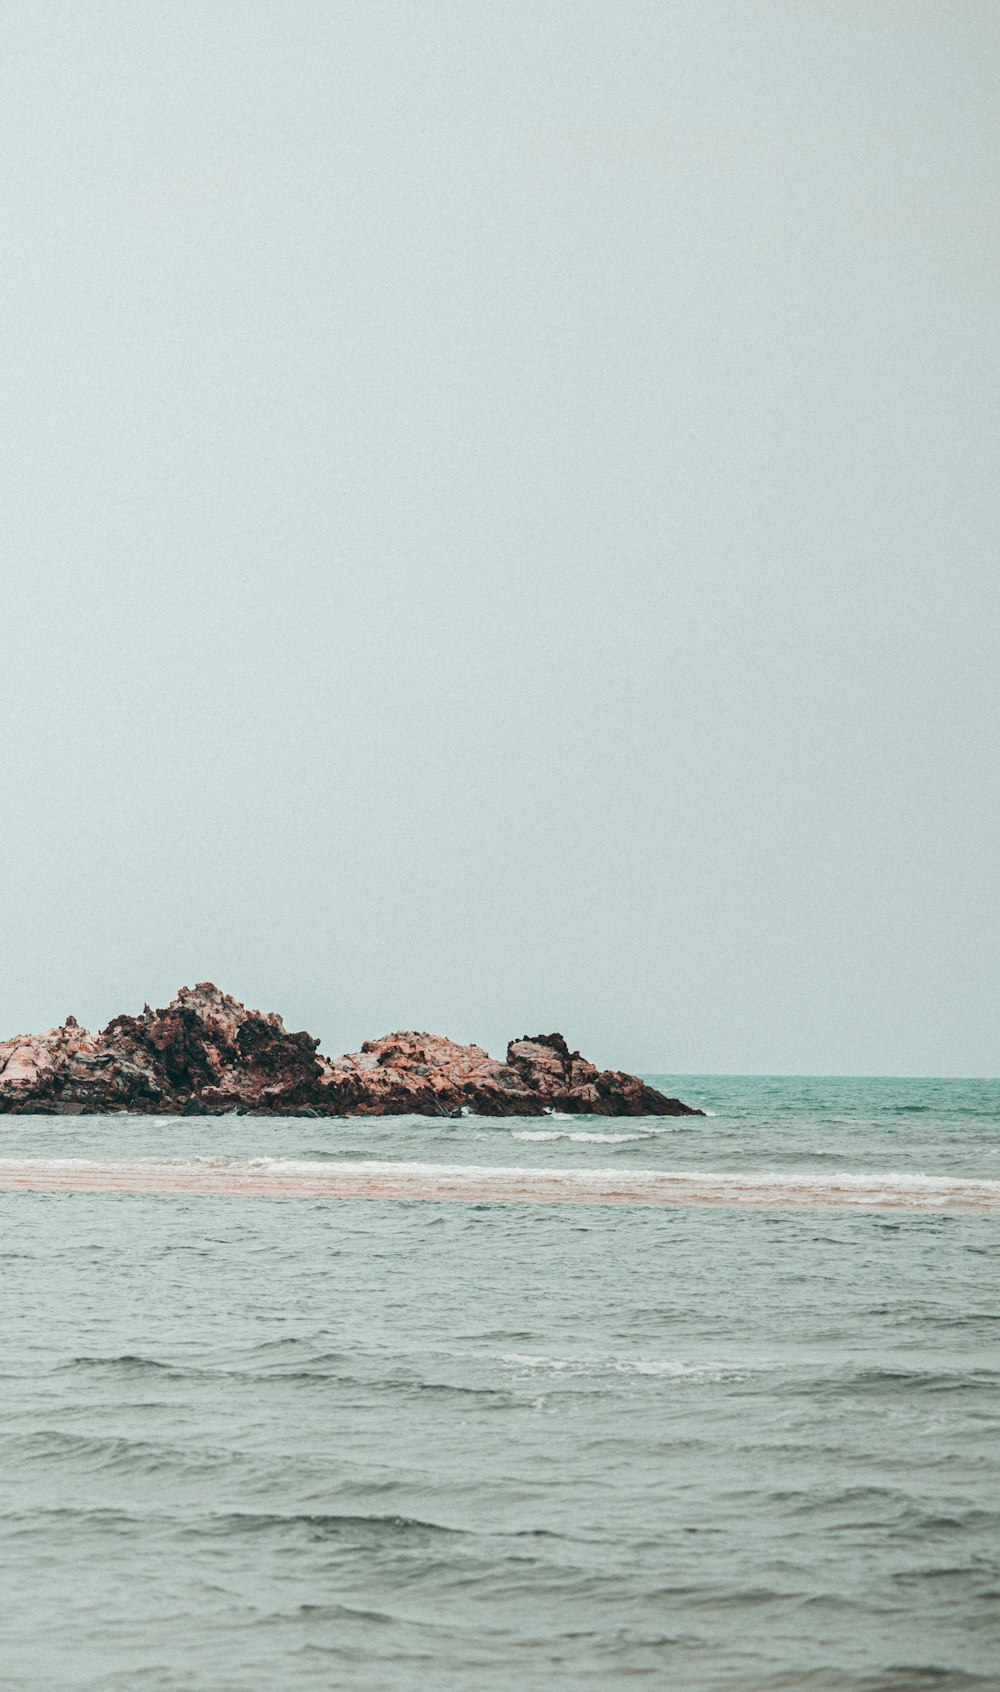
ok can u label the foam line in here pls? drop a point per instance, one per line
(267, 1177)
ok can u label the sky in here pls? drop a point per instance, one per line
(498, 522)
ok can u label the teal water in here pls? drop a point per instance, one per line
(281, 1443)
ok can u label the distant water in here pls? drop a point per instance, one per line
(294, 1442)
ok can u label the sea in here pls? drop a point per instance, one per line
(709, 1404)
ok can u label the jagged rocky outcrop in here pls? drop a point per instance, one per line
(207, 1054)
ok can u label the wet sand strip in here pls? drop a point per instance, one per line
(274, 1178)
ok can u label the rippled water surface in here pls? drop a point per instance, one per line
(296, 1442)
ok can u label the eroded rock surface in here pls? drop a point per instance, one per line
(207, 1054)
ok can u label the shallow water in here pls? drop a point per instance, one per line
(292, 1441)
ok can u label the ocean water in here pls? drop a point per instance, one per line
(743, 1437)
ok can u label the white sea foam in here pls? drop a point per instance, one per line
(606, 1139)
(563, 1134)
(669, 1367)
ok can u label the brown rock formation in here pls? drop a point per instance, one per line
(206, 1054)
(570, 1083)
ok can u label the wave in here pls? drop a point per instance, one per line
(879, 1380)
(318, 1524)
(270, 1177)
(127, 1364)
(115, 1452)
(226, 1523)
(670, 1367)
(565, 1134)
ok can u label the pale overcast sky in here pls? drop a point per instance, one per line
(499, 519)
